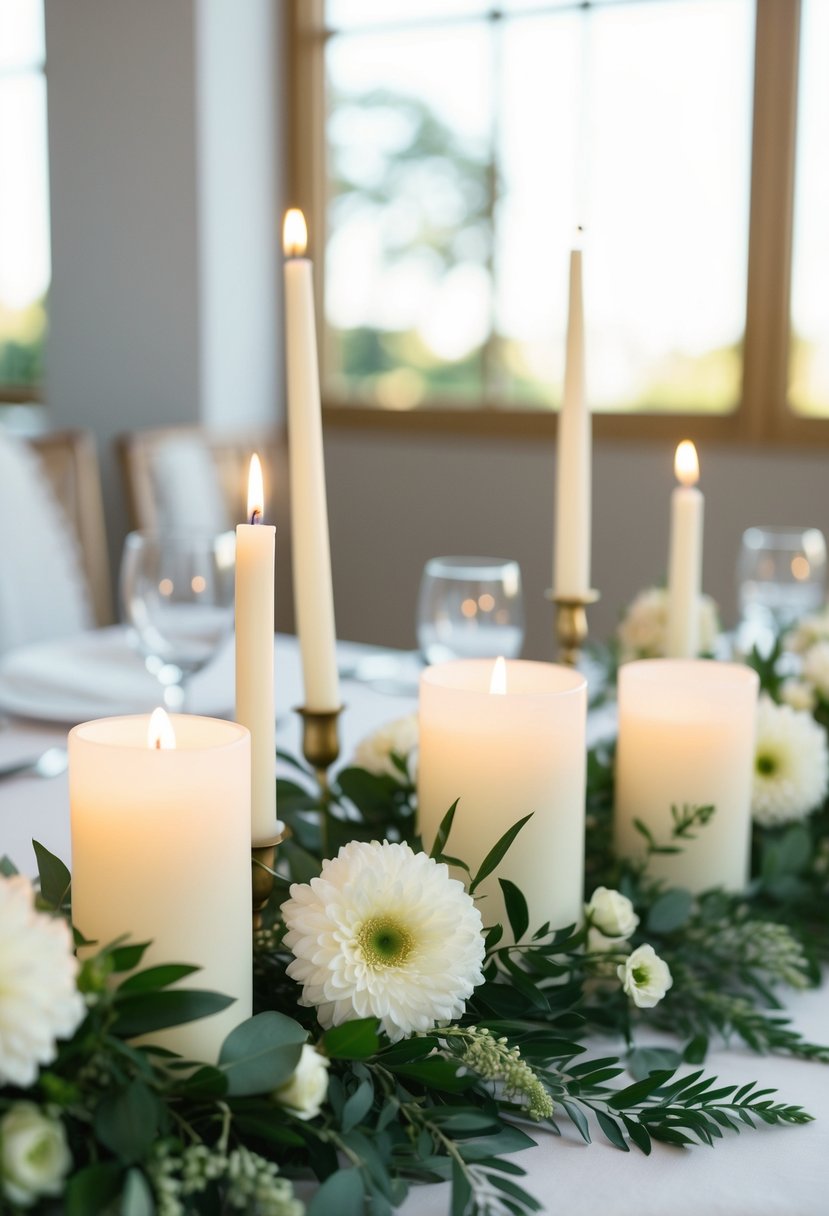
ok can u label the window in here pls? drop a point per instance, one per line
(446, 149)
(24, 206)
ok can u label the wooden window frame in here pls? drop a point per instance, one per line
(763, 415)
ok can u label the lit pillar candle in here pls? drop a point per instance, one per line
(571, 574)
(161, 851)
(686, 737)
(255, 557)
(505, 750)
(685, 556)
(313, 594)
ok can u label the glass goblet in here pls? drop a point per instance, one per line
(781, 576)
(470, 607)
(177, 594)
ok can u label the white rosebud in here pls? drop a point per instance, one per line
(398, 738)
(34, 1155)
(304, 1092)
(611, 913)
(598, 943)
(645, 977)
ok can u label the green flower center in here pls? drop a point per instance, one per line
(384, 942)
(766, 764)
(641, 975)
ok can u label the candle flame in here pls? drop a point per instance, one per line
(498, 681)
(256, 491)
(160, 733)
(294, 234)
(686, 465)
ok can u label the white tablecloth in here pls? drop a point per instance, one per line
(769, 1172)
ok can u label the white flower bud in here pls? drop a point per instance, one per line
(397, 738)
(34, 1155)
(304, 1093)
(645, 977)
(611, 913)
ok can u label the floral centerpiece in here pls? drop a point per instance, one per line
(398, 1038)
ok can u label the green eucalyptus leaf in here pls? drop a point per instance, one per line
(144, 1012)
(127, 1122)
(341, 1193)
(461, 1190)
(517, 911)
(670, 911)
(155, 978)
(444, 830)
(644, 1060)
(262, 1053)
(91, 1190)
(137, 1198)
(497, 853)
(126, 957)
(612, 1130)
(55, 879)
(355, 1040)
(357, 1106)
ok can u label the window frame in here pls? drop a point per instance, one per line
(763, 415)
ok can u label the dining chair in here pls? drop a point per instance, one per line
(192, 477)
(54, 572)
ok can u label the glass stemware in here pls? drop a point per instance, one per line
(781, 576)
(177, 594)
(470, 607)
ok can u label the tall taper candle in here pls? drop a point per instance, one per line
(255, 559)
(685, 557)
(571, 576)
(313, 594)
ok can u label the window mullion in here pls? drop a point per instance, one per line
(765, 368)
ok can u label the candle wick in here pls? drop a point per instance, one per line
(158, 744)
(256, 516)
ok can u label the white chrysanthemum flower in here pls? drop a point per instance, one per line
(808, 631)
(39, 1002)
(643, 631)
(816, 668)
(645, 977)
(798, 694)
(398, 738)
(791, 764)
(384, 932)
(611, 913)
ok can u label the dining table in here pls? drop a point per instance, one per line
(770, 1171)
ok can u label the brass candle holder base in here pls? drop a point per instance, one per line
(320, 740)
(571, 624)
(263, 856)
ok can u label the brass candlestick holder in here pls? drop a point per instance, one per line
(571, 624)
(263, 856)
(320, 740)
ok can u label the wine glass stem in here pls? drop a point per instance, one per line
(175, 695)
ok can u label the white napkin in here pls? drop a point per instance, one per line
(43, 591)
(96, 674)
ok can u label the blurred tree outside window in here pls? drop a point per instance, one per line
(465, 145)
(24, 199)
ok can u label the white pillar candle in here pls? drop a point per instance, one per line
(571, 573)
(505, 754)
(313, 594)
(255, 557)
(161, 851)
(686, 737)
(685, 556)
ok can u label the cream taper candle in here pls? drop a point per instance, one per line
(685, 556)
(161, 851)
(571, 572)
(686, 737)
(505, 751)
(255, 559)
(313, 594)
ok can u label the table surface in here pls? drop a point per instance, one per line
(767, 1172)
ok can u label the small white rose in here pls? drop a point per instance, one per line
(34, 1155)
(611, 913)
(798, 694)
(398, 738)
(599, 943)
(645, 977)
(304, 1093)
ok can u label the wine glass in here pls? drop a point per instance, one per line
(177, 594)
(781, 576)
(470, 607)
